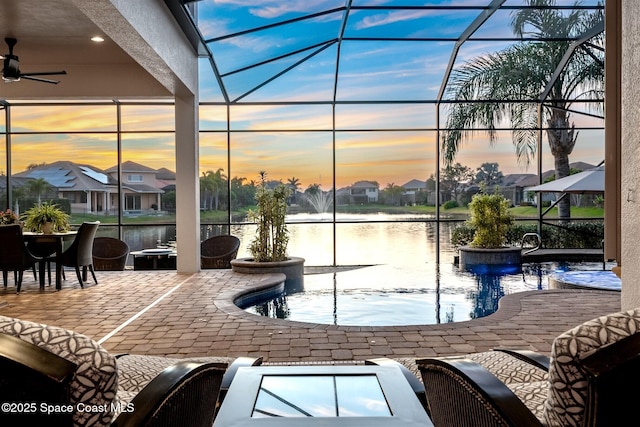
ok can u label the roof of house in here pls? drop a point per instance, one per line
(16, 181)
(530, 179)
(165, 174)
(66, 175)
(130, 166)
(70, 176)
(142, 188)
(364, 184)
(519, 180)
(415, 184)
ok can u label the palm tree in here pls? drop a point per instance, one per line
(38, 187)
(213, 183)
(394, 193)
(294, 184)
(521, 73)
(206, 187)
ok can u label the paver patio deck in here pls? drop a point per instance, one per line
(166, 313)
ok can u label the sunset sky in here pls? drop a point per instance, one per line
(371, 142)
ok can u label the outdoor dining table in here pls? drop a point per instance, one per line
(155, 259)
(45, 242)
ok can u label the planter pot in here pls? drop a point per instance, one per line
(507, 259)
(292, 268)
(47, 228)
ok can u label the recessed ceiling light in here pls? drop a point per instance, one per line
(97, 39)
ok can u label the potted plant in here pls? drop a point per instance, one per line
(490, 219)
(8, 217)
(269, 247)
(46, 218)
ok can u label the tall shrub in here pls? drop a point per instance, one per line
(272, 236)
(490, 217)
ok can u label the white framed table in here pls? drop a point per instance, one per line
(321, 395)
(155, 259)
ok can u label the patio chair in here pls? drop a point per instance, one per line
(80, 252)
(218, 251)
(14, 255)
(109, 254)
(587, 380)
(44, 251)
(48, 366)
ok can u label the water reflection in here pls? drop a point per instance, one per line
(487, 295)
(276, 308)
(489, 287)
(400, 297)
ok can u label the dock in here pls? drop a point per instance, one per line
(550, 255)
(572, 255)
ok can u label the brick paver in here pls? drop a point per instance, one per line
(166, 313)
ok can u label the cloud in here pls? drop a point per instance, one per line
(391, 18)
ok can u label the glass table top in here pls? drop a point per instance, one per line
(320, 396)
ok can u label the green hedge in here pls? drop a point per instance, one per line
(578, 235)
(450, 204)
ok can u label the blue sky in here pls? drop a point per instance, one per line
(368, 70)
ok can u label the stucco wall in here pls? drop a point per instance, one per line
(630, 200)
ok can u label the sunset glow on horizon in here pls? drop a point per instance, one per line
(268, 140)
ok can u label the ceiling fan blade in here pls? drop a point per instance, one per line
(38, 79)
(43, 73)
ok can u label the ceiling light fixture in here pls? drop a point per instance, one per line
(97, 39)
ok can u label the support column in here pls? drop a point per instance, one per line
(187, 184)
(612, 132)
(630, 152)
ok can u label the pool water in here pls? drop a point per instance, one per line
(385, 295)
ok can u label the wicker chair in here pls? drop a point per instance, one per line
(218, 251)
(49, 365)
(588, 380)
(109, 254)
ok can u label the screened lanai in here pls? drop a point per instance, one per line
(353, 105)
(337, 96)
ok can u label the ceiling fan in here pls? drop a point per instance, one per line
(11, 71)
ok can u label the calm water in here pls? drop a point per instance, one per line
(393, 295)
(400, 281)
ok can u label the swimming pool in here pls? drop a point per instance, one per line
(385, 295)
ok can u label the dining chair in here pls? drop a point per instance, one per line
(44, 251)
(14, 255)
(80, 253)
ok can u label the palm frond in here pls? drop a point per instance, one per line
(524, 119)
(506, 85)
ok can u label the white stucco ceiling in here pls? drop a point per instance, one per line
(56, 35)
